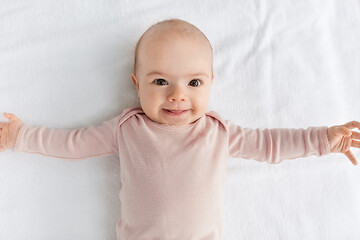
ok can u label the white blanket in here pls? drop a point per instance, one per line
(277, 64)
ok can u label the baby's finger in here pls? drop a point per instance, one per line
(354, 143)
(11, 116)
(352, 124)
(355, 135)
(351, 157)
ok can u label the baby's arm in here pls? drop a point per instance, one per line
(81, 143)
(275, 145)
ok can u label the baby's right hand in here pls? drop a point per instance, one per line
(9, 131)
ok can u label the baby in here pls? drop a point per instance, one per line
(173, 153)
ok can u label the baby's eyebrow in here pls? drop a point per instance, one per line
(164, 74)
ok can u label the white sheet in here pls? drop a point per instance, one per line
(291, 64)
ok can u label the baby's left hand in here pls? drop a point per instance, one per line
(341, 138)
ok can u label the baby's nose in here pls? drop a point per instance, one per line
(177, 94)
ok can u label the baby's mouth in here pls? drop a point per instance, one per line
(175, 112)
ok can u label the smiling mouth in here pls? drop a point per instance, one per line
(175, 112)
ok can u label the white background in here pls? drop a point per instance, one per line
(277, 64)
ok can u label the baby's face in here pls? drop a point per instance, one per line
(174, 79)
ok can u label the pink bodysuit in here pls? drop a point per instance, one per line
(172, 177)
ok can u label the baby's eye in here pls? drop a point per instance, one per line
(194, 83)
(160, 81)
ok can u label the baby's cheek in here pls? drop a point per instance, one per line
(200, 109)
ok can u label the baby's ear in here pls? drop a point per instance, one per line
(135, 82)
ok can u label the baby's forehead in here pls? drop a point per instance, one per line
(173, 34)
(158, 43)
(170, 30)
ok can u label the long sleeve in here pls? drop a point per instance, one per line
(80, 143)
(275, 145)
